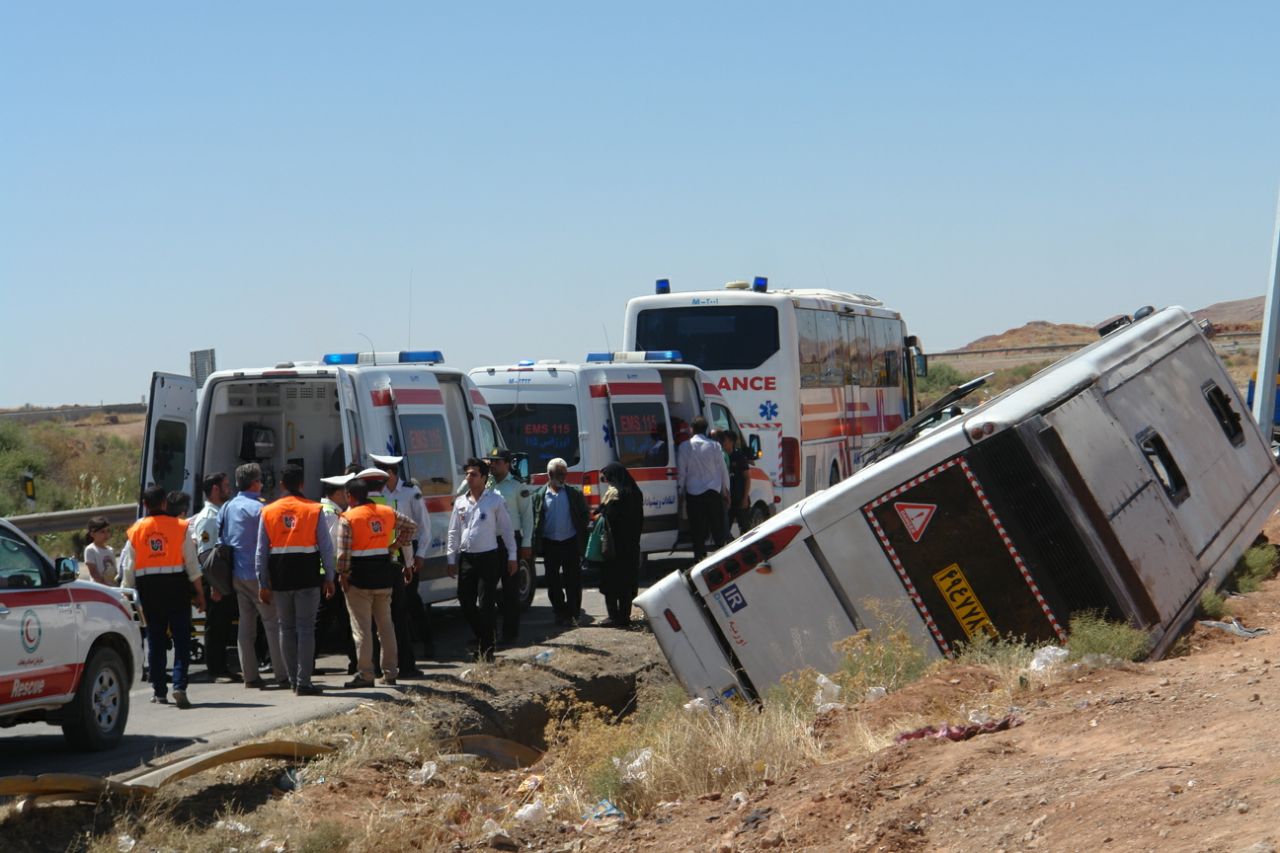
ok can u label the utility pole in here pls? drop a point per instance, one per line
(1264, 390)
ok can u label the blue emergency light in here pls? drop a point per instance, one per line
(647, 355)
(341, 358)
(760, 284)
(525, 362)
(433, 356)
(662, 286)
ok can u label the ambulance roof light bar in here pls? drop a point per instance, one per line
(760, 284)
(428, 356)
(637, 356)
(661, 286)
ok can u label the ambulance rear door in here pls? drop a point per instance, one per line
(639, 422)
(168, 445)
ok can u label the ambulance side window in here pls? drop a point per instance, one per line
(720, 418)
(20, 566)
(638, 428)
(426, 450)
(169, 455)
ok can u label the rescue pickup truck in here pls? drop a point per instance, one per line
(1126, 479)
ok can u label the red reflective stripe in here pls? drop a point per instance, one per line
(477, 398)
(33, 597)
(439, 503)
(626, 389)
(58, 681)
(407, 396)
(84, 595)
(710, 390)
(599, 391)
(647, 475)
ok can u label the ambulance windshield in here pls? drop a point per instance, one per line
(541, 430)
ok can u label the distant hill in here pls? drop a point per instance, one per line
(1240, 315)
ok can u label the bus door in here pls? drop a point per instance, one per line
(640, 431)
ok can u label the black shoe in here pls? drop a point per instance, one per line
(411, 673)
(157, 699)
(283, 683)
(358, 682)
(256, 684)
(308, 690)
(180, 699)
(226, 678)
(352, 668)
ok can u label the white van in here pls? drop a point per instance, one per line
(617, 407)
(323, 416)
(1126, 478)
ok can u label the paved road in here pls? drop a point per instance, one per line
(226, 714)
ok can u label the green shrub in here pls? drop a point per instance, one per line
(889, 658)
(1257, 564)
(1091, 633)
(1213, 604)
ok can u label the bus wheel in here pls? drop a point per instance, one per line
(835, 475)
(759, 515)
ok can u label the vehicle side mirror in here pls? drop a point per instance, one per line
(753, 441)
(922, 364)
(67, 569)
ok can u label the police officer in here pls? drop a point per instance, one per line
(519, 499)
(334, 619)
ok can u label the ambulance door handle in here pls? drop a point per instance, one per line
(672, 473)
(4, 611)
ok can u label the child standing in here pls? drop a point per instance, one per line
(98, 555)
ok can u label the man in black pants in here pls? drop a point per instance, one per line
(221, 598)
(703, 483)
(478, 520)
(560, 536)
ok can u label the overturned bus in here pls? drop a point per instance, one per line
(1126, 479)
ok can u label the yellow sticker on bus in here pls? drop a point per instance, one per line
(964, 604)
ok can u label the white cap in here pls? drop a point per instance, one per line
(385, 460)
(337, 479)
(371, 474)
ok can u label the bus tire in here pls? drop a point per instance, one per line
(759, 515)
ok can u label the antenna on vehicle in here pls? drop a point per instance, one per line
(605, 329)
(373, 352)
(410, 307)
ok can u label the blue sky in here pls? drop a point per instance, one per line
(275, 180)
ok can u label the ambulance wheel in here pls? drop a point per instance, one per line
(759, 515)
(95, 719)
(527, 583)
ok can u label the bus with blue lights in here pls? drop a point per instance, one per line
(325, 415)
(819, 376)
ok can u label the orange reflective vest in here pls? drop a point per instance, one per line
(373, 529)
(157, 547)
(290, 527)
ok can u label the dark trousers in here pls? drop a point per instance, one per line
(334, 625)
(509, 600)
(420, 618)
(706, 515)
(217, 630)
(167, 616)
(478, 595)
(563, 564)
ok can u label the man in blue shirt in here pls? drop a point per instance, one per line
(238, 527)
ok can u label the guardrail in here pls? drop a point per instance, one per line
(72, 519)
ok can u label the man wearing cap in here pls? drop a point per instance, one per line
(367, 534)
(295, 567)
(203, 529)
(478, 521)
(333, 618)
(519, 499)
(406, 607)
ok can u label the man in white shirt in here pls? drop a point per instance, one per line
(203, 529)
(703, 483)
(478, 520)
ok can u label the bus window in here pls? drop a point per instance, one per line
(830, 347)
(810, 351)
(866, 352)
(849, 349)
(541, 430)
(637, 426)
(714, 337)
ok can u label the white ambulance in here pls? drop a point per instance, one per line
(617, 407)
(324, 415)
(1126, 479)
(69, 650)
